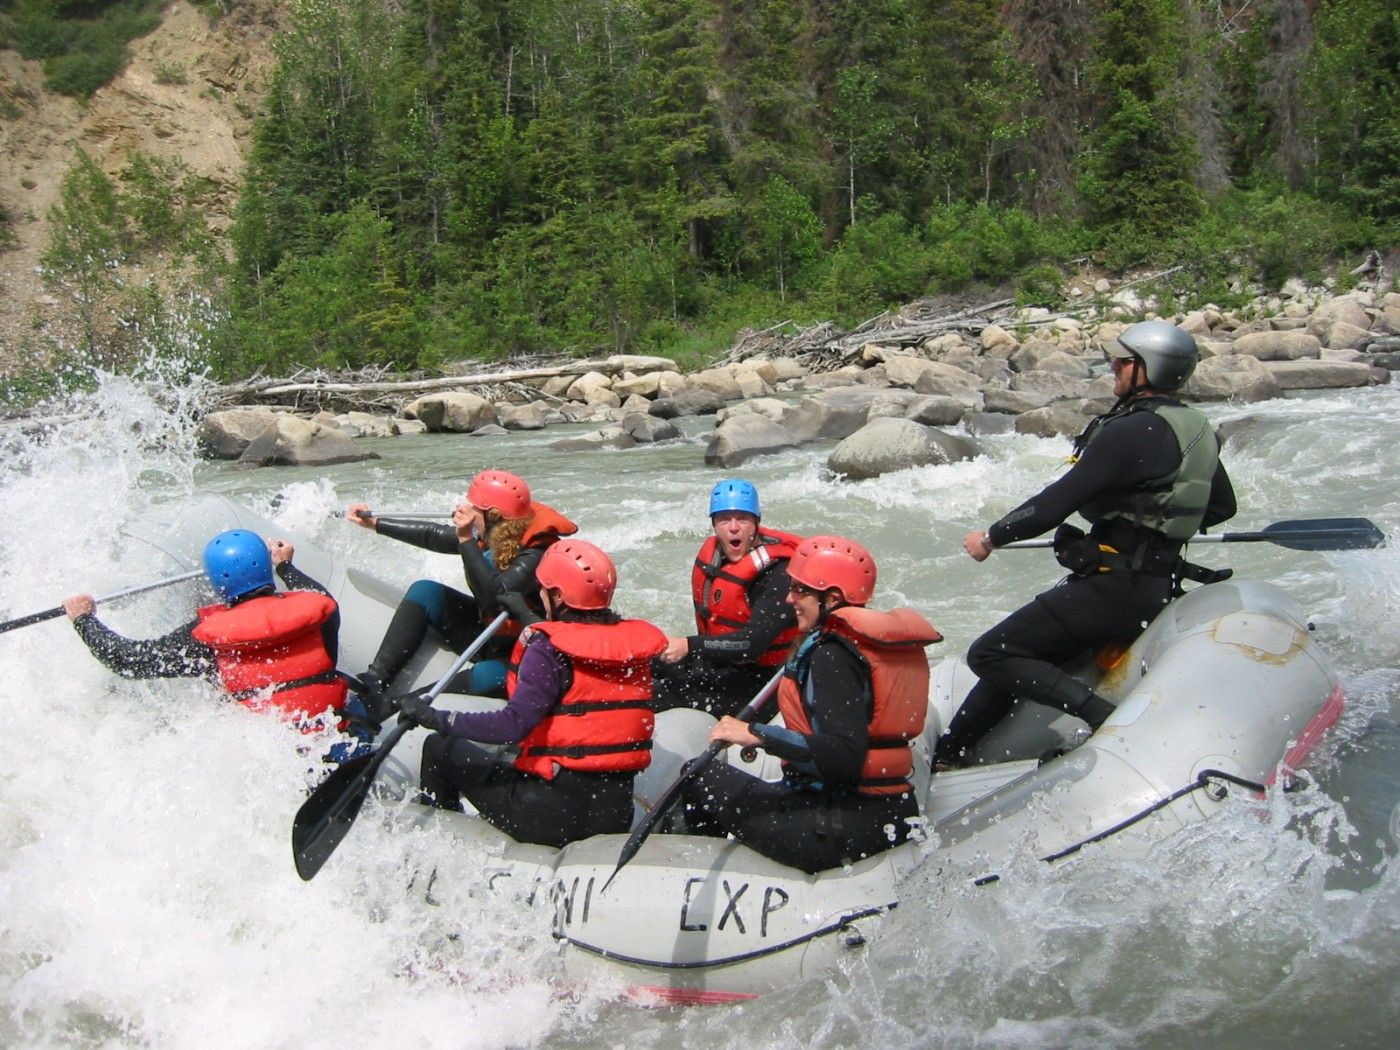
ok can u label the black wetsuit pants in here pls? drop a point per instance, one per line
(1022, 657)
(716, 689)
(803, 829)
(528, 808)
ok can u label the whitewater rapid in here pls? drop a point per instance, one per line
(146, 884)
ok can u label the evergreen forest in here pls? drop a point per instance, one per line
(435, 180)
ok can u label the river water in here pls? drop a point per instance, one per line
(146, 886)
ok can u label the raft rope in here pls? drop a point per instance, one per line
(1203, 780)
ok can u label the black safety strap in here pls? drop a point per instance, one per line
(1203, 780)
(585, 750)
(324, 678)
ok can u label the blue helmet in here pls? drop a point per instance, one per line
(734, 495)
(237, 563)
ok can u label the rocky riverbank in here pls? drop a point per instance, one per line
(887, 397)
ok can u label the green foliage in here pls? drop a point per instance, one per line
(1137, 176)
(83, 45)
(1354, 84)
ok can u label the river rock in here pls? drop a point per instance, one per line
(534, 415)
(831, 414)
(609, 437)
(692, 401)
(1278, 346)
(1052, 385)
(752, 384)
(1029, 354)
(590, 387)
(887, 444)
(718, 381)
(1013, 402)
(365, 424)
(994, 336)
(293, 442)
(1063, 418)
(226, 434)
(933, 410)
(647, 429)
(648, 385)
(1348, 308)
(640, 364)
(841, 377)
(456, 412)
(1233, 377)
(1320, 375)
(1343, 335)
(772, 407)
(489, 430)
(742, 437)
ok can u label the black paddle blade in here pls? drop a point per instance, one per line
(1325, 534)
(324, 819)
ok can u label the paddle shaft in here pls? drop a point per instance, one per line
(691, 769)
(407, 515)
(50, 614)
(1316, 534)
(328, 814)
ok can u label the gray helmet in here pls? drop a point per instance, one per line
(1168, 353)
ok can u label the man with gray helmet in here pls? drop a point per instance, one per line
(1147, 476)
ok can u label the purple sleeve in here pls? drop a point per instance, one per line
(544, 676)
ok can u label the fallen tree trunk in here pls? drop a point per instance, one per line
(277, 387)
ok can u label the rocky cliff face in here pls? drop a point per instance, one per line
(204, 121)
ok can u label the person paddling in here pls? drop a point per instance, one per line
(500, 532)
(270, 650)
(854, 695)
(744, 625)
(579, 708)
(1147, 476)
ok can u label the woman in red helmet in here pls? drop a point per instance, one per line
(853, 697)
(500, 532)
(579, 708)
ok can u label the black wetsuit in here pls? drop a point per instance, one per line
(814, 819)
(457, 616)
(720, 674)
(1022, 657)
(178, 654)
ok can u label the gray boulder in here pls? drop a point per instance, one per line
(742, 437)
(1232, 377)
(293, 442)
(1014, 402)
(1321, 375)
(1278, 346)
(534, 415)
(935, 411)
(692, 401)
(1053, 385)
(832, 414)
(887, 444)
(1062, 419)
(609, 437)
(647, 429)
(226, 434)
(455, 412)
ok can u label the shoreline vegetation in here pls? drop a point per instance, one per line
(470, 185)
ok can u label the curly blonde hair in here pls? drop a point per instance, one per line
(504, 536)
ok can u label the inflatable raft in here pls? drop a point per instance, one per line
(1224, 692)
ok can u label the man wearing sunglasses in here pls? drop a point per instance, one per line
(1147, 476)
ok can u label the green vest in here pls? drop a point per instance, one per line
(1174, 504)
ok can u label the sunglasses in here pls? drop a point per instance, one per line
(801, 590)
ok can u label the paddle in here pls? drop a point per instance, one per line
(325, 818)
(49, 614)
(1304, 534)
(407, 515)
(696, 765)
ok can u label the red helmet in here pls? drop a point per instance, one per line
(582, 574)
(824, 562)
(500, 491)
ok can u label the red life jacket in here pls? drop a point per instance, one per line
(891, 644)
(603, 722)
(720, 589)
(274, 643)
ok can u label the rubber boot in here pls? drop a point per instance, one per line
(405, 634)
(1095, 710)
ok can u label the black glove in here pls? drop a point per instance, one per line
(514, 603)
(1077, 552)
(418, 709)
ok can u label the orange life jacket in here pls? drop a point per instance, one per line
(546, 526)
(720, 589)
(603, 722)
(891, 644)
(270, 654)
